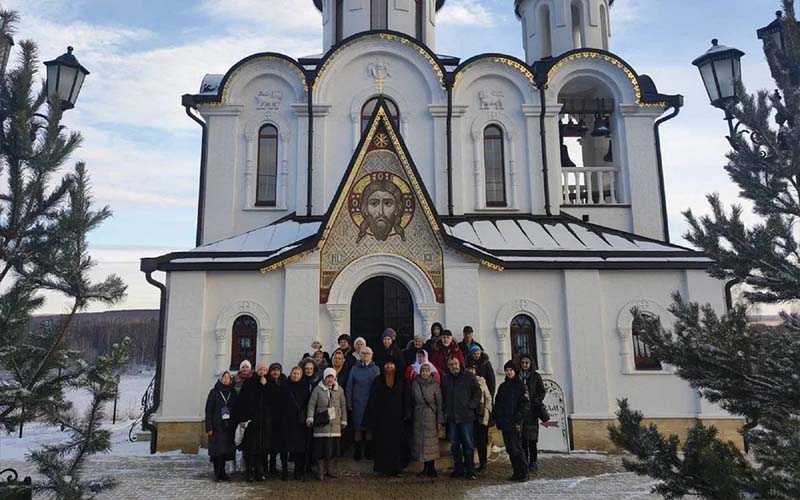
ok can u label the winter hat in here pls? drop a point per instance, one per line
(512, 365)
(474, 348)
(346, 337)
(245, 363)
(362, 341)
(317, 340)
(276, 365)
(435, 325)
(389, 332)
(327, 372)
(447, 333)
(468, 329)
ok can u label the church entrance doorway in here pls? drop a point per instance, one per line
(379, 303)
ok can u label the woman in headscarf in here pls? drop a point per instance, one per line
(354, 357)
(426, 401)
(338, 364)
(219, 424)
(279, 382)
(359, 387)
(530, 434)
(413, 371)
(390, 350)
(254, 405)
(327, 415)
(295, 417)
(384, 417)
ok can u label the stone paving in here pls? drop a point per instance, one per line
(185, 477)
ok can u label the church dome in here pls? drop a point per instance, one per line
(318, 4)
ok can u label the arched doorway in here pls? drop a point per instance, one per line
(523, 338)
(379, 303)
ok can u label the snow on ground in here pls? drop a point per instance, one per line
(131, 389)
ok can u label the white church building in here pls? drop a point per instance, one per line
(381, 184)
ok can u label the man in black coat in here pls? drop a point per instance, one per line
(462, 398)
(510, 406)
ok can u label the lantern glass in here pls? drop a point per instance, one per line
(720, 68)
(65, 77)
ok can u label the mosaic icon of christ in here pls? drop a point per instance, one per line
(382, 209)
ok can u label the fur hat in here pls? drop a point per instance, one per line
(245, 363)
(389, 332)
(346, 337)
(361, 339)
(328, 372)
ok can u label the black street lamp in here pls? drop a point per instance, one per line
(774, 31)
(65, 77)
(720, 68)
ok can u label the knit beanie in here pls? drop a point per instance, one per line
(474, 348)
(389, 332)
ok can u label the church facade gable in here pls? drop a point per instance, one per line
(381, 208)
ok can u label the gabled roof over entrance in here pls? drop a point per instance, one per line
(498, 242)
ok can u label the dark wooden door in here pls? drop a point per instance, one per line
(523, 338)
(379, 303)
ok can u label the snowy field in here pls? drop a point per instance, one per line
(131, 389)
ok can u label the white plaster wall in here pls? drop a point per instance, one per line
(617, 217)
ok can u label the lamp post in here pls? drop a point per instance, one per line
(65, 76)
(721, 70)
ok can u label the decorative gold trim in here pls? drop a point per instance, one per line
(226, 90)
(382, 36)
(611, 60)
(287, 261)
(501, 60)
(492, 266)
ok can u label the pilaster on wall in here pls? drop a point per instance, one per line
(301, 311)
(462, 300)
(186, 378)
(586, 324)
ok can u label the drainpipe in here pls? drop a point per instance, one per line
(189, 104)
(310, 82)
(729, 293)
(148, 266)
(449, 80)
(659, 164)
(540, 70)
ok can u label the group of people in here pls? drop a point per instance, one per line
(388, 406)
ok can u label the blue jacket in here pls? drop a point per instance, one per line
(359, 386)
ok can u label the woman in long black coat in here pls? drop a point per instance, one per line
(279, 383)
(384, 417)
(536, 392)
(255, 405)
(295, 416)
(220, 426)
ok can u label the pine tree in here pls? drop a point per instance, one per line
(46, 214)
(749, 370)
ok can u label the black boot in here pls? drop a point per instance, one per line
(284, 471)
(251, 470)
(369, 450)
(357, 450)
(216, 470)
(273, 465)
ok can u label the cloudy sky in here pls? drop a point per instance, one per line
(143, 151)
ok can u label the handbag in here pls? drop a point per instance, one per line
(238, 436)
(323, 417)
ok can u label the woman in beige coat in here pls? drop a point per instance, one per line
(327, 414)
(426, 398)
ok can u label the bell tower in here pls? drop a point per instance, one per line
(344, 18)
(553, 27)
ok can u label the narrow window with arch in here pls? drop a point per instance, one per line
(643, 358)
(493, 161)
(578, 40)
(545, 32)
(419, 20)
(523, 338)
(338, 19)
(369, 107)
(379, 14)
(245, 331)
(267, 177)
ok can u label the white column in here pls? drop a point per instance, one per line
(427, 313)
(340, 315)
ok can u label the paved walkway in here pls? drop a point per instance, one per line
(184, 477)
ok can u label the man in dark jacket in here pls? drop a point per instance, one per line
(462, 398)
(510, 406)
(468, 341)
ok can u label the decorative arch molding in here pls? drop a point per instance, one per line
(257, 65)
(370, 266)
(544, 329)
(250, 133)
(479, 124)
(223, 330)
(625, 332)
(366, 94)
(509, 68)
(386, 44)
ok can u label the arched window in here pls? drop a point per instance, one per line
(338, 21)
(493, 162)
(369, 108)
(604, 26)
(643, 359)
(577, 26)
(523, 338)
(544, 32)
(379, 14)
(245, 330)
(267, 182)
(419, 20)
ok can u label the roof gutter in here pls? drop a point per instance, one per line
(449, 80)
(148, 266)
(310, 77)
(676, 108)
(189, 103)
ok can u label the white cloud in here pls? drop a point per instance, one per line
(295, 16)
(465, 13)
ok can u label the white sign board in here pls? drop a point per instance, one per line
(554, 435)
